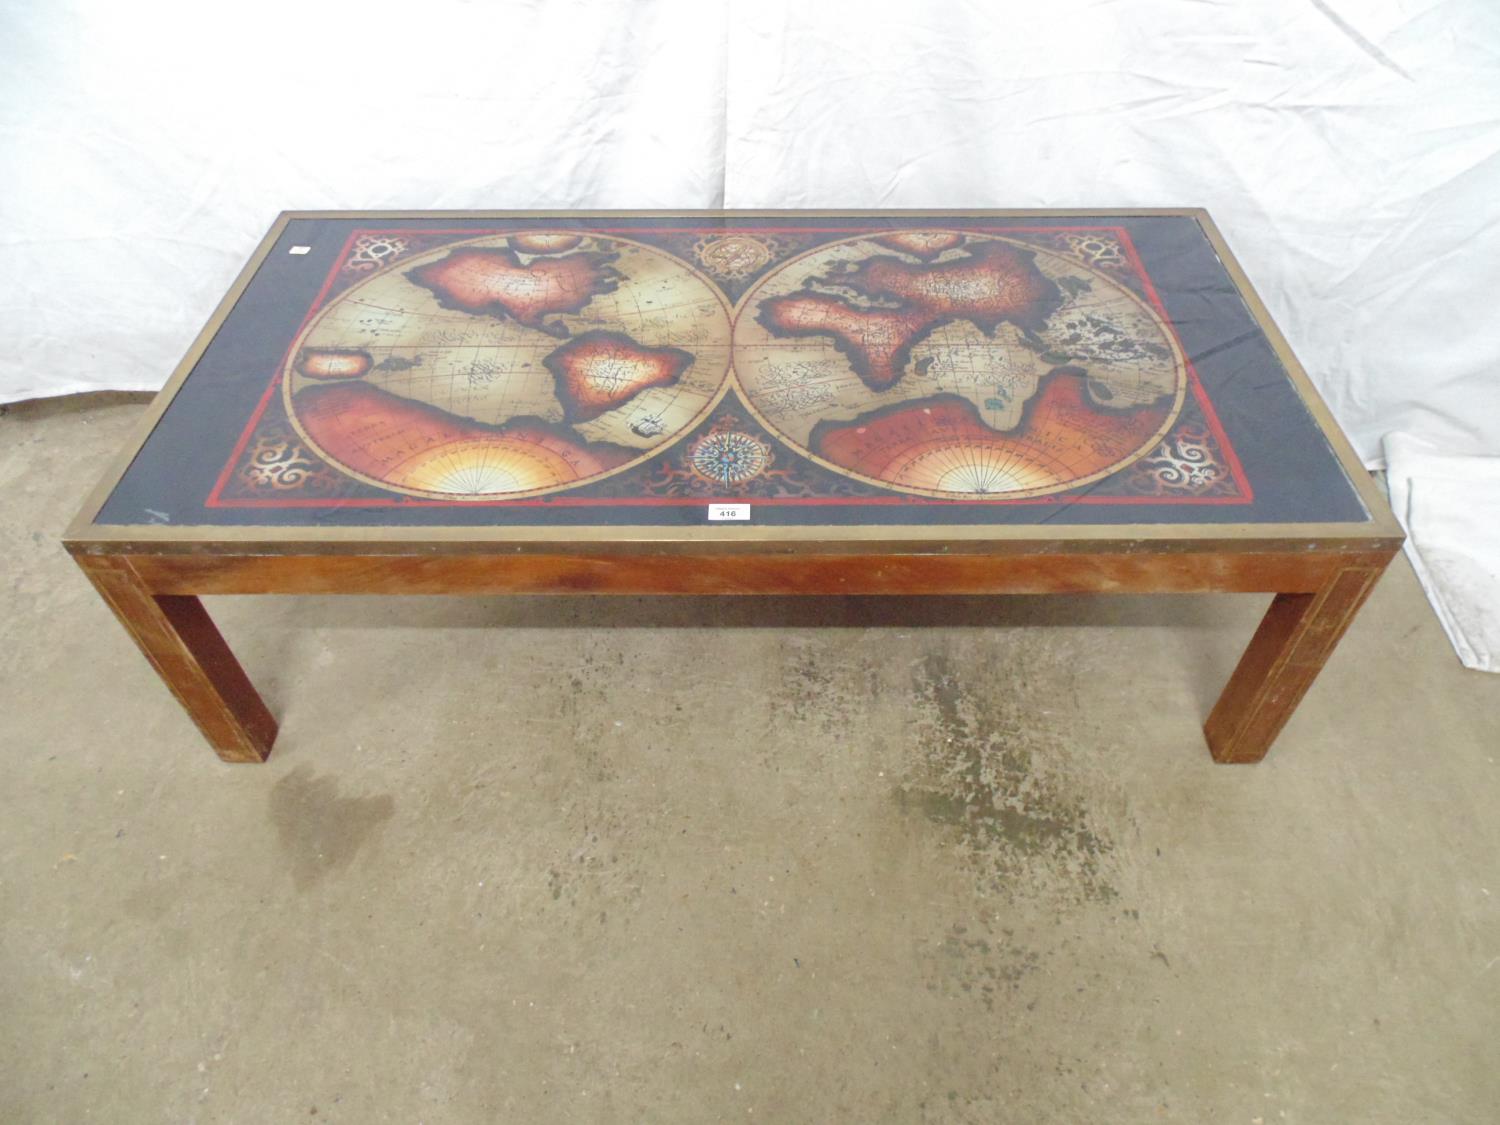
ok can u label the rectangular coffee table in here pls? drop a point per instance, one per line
(900, 403)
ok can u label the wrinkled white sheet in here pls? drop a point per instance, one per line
(1450, 507)
(1350, 150)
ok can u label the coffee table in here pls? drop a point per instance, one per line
(896, 403)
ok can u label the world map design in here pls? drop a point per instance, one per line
(509, 366)
(929, 363)
(950, 364)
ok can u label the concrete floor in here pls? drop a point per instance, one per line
(640, 860)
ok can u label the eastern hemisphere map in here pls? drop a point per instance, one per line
(956, 365)
(577, 365)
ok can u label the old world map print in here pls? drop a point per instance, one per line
(577, 366)
(508, 366)
(949, 364)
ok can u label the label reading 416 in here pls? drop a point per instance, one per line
(718, 512)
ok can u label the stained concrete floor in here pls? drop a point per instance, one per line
(707, 860)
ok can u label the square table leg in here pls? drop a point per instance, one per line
(186, 649)
(1294, 640)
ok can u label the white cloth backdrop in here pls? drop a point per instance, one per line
(1350, 149)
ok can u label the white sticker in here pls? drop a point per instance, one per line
(299, 249)
(728, 512)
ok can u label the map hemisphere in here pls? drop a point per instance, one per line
(960, 365)
(509, 366)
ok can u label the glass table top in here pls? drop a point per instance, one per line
(646, 370)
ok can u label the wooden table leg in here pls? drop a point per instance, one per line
(1294, 640)
(188, 652)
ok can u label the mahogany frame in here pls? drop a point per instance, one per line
(153, 576)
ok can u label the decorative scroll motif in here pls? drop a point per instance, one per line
(371, 251)
(277, 463)
(735, 256)
(1093, 249)
(1186, 463)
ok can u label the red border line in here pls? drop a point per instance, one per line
(1209, 413)
(216, 499)
(694, 501)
